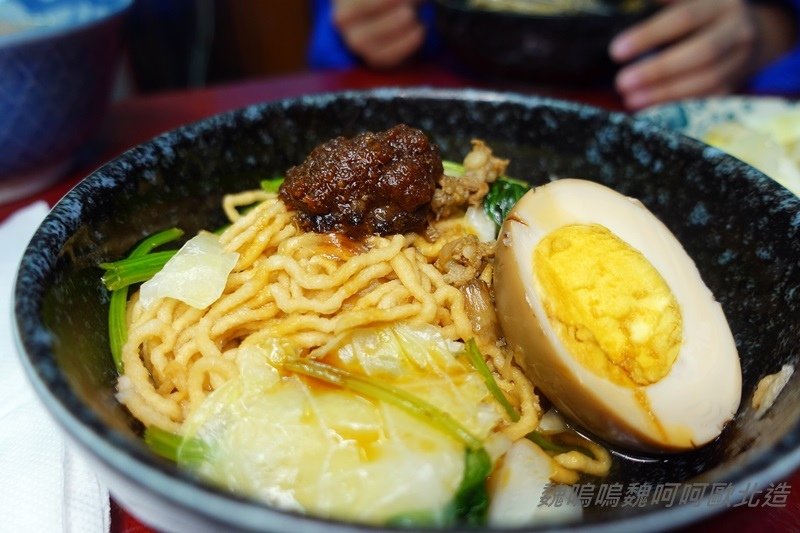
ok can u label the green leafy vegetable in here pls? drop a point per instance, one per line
(175, 447)
(503, 194)
(471, 499)
(117, 333)
(469, 504)
(476, 358)
(272, 185)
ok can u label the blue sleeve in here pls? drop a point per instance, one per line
(783, 75)
(327, 50)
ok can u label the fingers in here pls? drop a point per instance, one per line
(706, 47)
(672, 22)
(346, 12)
(382, 32)
(379, 28)
(706, 80)
(396, 51)
(703, 48)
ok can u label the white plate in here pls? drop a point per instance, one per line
(695, 117)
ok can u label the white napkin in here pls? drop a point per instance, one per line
(45, 486)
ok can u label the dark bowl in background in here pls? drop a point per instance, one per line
(569, 48)
(741, 228)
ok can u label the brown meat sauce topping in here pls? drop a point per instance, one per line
(374, 183)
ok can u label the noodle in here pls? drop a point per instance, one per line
(314, 291)
(304, 288)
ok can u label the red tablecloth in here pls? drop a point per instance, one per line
(135, 120)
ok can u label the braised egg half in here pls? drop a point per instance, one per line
(609, 316)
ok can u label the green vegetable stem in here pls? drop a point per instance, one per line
(140, 265)
(471, 500)
(378, 391)
(272, 185)
(552, 447)
(476, 358)
(175, 447)
(126, 272)
(451, 168)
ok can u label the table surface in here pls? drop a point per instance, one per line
(135, 120)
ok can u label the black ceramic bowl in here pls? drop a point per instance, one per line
(559, 48)
(742, 229)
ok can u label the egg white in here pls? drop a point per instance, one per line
(686, 408)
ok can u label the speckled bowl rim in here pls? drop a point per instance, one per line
(37, 34)
(176, 489)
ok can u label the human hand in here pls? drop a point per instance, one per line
(709, 47)
(383, 33)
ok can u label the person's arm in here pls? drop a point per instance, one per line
(700, 47)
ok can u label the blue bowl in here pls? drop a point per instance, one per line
(57, 61)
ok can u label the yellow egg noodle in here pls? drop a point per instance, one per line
(377, 374)
(289, 284)
(312, 290)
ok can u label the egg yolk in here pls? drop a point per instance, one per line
(610, 307)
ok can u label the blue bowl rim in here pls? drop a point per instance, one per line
(771, 464)
(39, 34)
